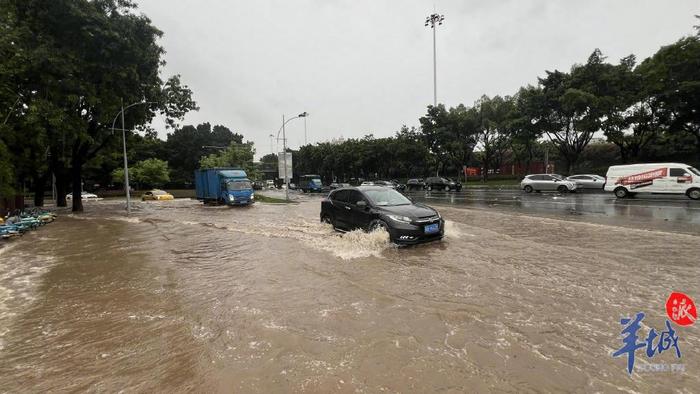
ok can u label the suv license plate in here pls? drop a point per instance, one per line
(432, 228)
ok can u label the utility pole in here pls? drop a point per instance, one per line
(126, 165)
(284, 152)
(432, 20)
(305, 141)
(284, 149)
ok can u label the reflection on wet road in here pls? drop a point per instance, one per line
(667, 212)
(185, 297)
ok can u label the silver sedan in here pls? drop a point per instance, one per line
(547, 182)
(587, 181)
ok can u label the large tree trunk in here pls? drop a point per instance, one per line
(76, 178)
(569, 165)
(58, 169)
(485, 173)
(61, 188)
(39, 185)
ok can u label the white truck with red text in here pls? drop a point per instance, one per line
(662, 178)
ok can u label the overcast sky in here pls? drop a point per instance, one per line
(365, 66)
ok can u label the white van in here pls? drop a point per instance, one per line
(666, 178)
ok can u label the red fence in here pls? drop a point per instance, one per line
(514, 169)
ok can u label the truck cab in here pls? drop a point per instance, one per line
(237, 191)
(224, 186)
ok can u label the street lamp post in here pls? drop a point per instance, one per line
(126, 164)
(284, 150)
(431, 21)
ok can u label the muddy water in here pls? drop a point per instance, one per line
(181, 297)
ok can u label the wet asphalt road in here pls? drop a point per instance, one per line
(658, 212)
(183, 297)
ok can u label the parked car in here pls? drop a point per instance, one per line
(415, 184)
(398, 185)
(376, 207)
(663, 178)
(156, 195)
(336, 185)
(547, 182)
(270, 184)
(367, 183)
(258, 185)
(385, 184)
(587, 181)
(83, 196)
(440, 183)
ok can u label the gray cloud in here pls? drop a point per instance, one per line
(362, 66)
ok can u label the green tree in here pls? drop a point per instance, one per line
(149, 172)
(450, 135)
(524, 129)
(571, 107)
(631, 118)
(91, 56)
(235, 155)
(672, 80)
(185, 147)
(153, 172)
(494, 127)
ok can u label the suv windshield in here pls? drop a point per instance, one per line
(694, 170)
(238, 185)
(387, 197)
(316, 181)
(557, 176)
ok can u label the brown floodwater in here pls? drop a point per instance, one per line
(183, 297)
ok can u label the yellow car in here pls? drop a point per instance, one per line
(157, 195)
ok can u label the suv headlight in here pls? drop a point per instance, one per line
(438, 214)
(402, 219)
(231, 198)
(252, 196)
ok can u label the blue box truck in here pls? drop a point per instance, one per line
(229, 186)
(310, 183)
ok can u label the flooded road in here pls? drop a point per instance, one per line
(675, 213)
(183, 297)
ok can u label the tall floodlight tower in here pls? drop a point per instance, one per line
(434, 20)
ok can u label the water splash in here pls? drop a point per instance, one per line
(354, 244)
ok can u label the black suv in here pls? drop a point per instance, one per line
(439, 183)
(378, 207)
